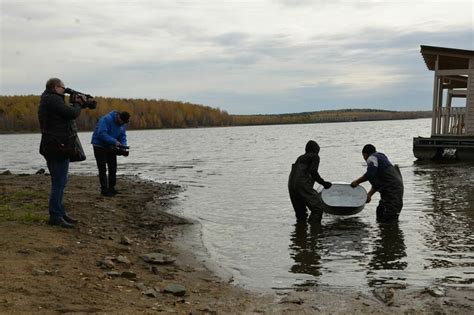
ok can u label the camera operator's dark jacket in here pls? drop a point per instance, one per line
(57, 120)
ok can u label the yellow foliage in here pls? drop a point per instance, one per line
(19, 114)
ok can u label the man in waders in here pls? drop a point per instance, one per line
(387, 180)
(304, 172)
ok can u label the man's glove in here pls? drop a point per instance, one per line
(327, 185)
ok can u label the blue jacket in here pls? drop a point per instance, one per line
(108, 131)
(376, 163)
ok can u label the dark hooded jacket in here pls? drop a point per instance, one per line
(305, 172)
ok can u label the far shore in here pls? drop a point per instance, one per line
(101, 266)
(259, 120)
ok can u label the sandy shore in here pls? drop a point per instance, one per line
(100, 266)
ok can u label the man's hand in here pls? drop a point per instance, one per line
(354, 184)
(370, 194)
(327, 185)
(81, 99)
(369, 199)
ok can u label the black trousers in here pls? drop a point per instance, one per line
(303, 196)
(106, 160)
(391, 194)
(390, 204)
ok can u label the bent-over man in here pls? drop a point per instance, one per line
(109, 134)
(387, 180)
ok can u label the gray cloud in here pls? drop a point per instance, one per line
(17, 10)
(304, 3)
(234, 39)
(200, 53)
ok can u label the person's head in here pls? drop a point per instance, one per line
(368, 150)
(55, 85)
(123, 118)
(312, 147)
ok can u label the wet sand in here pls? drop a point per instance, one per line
(98, 267)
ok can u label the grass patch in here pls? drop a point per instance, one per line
(21, 195)
(23, 206)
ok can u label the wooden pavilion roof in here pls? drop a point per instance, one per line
(449, 58)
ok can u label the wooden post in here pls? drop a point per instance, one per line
(456, 123)
(439, 109)
(443, 119)
(451, 114)
(435, 99)
(469, 116)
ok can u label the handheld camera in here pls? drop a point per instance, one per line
(90, 102)
(120, 150)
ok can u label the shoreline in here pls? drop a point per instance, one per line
(27, 132)
(97, 267)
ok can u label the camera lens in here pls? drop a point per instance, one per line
(92, 104)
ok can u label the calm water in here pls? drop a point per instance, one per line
(235, 180)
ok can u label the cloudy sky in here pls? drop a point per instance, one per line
(246, 57)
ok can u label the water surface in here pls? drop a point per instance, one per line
(235, 180)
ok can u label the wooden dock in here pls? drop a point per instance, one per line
(452, 128)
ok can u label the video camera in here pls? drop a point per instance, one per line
(120, 150)
(89, 102)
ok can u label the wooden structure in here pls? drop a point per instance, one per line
(452, 128)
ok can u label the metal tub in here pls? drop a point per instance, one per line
(342, 199)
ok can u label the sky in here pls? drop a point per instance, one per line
(245, 57)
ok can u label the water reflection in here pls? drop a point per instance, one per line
(389, 248)
(388, 254)
(305, 249)
(325, 248)
(451, 220)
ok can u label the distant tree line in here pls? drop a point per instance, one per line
(328, 116)
(19, 114)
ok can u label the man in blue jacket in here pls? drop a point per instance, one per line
(109, 134)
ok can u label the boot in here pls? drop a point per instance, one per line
(60, 222)
(69, 219)
(106, 192)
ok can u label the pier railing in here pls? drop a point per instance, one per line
(449, 121)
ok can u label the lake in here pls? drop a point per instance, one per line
(235, 181)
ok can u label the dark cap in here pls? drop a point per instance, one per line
(124, 116)
(369, 149)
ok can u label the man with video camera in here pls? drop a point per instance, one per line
(109, 140)
(59, 144)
